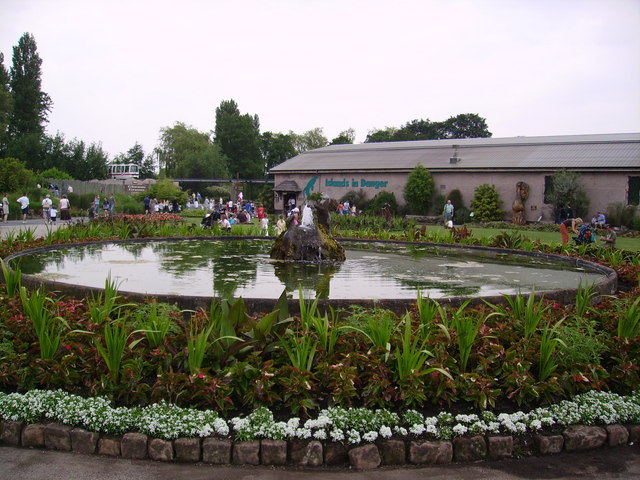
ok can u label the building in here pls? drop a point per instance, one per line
(609, 165)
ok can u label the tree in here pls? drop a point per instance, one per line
(566, 189)
(386, 135)
(95, 161)
(419, 190)
(30, 104)
(486, 204)
(14, 175)
(345, 137)
(136, 155)
(309, 140)
(184, 152)
(276, 148)
(466, 125)
(56, 153)
(238, 137)
(6, 105)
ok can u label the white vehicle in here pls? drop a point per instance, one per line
(123, 170)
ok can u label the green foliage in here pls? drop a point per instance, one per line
(12, 278)
(419, 190)
(276, 148)
(155, 319)
(466, 328)
(374, 206)
(620, 214)
(115, 336)
(529, 314)
(48, 328)
(184, 152)
(466, 125)
(549, 341)
(301, 349)
(345, 137)
(104, 305)
(585, 296)
(582, 344)
(567, 188)
(14, 176)
(629, 321)
(217, 191)
(56, 174)
(309, 140)
(167, 190)
(513, 240)
(238, 137)
(456, 199)
(486, 204)
(357, 198)
(30, 104)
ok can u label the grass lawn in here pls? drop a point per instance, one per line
(625, 243)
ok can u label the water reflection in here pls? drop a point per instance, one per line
(243, 268)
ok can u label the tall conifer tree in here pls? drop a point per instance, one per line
(30, 104)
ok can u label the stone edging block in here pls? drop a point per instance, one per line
(307, 453)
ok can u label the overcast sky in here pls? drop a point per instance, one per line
(119, 71)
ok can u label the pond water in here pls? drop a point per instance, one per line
(205, 267)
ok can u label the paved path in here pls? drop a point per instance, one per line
(37, 225)
(622, 463)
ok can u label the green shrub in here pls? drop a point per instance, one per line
(374, 206)
(486, 204)
(418, 191)
(359, 198)
(54, 173)
(456, 198)
(582, 343)
(619, 214)
(14, 175)
(216, 192)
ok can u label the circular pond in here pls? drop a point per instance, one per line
(191, 271)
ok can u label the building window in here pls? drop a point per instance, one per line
(548, 188)
(633, 196)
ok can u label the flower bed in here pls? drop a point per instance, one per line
(318, 376)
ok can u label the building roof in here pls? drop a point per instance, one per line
(287, 186)
(617, 151)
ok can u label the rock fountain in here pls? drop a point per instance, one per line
(306, 240)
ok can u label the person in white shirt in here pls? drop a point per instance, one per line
(24, 205)
(5, 209)
(65, 214)
(46, 207)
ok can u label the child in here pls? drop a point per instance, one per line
(264, 224)
(53, 213)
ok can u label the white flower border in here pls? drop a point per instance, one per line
(349, 426)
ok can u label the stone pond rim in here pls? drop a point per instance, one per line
(607, 286)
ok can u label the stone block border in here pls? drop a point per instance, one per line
(312, 453)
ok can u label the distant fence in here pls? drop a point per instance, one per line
(80, 187)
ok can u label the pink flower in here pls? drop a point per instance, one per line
(201, 375)
(67, 347)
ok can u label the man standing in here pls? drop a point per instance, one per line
(24, 205)
(112, 205)
(46, 206)
(447, 213)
